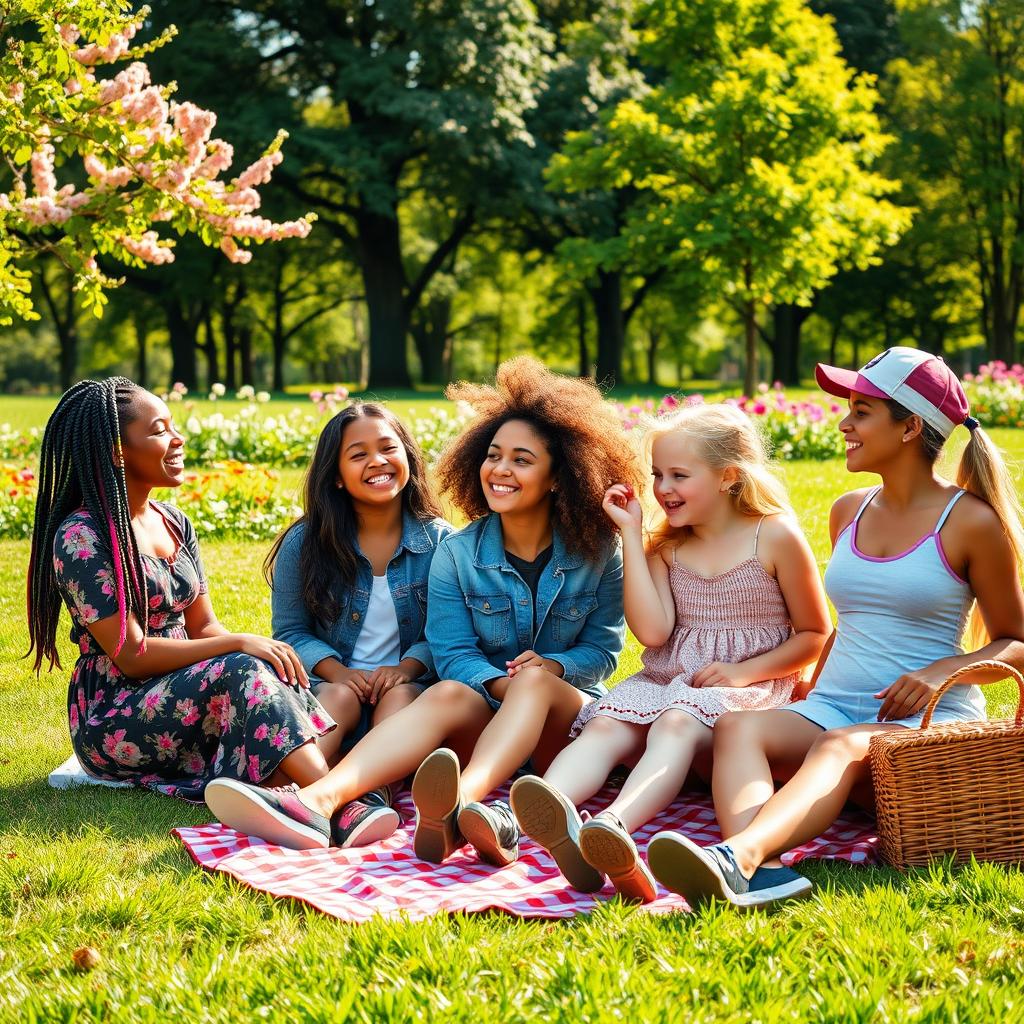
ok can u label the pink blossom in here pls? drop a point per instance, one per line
(261, 731)
(148, 248)
(254, 768)
(259, 173)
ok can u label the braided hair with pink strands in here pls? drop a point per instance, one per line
(80, 466)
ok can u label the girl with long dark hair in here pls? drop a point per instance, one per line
(349, 587)
(162, 695)
(524, 621)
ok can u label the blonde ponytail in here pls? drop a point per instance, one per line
(983, 473)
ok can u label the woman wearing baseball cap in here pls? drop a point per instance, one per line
(911, 558)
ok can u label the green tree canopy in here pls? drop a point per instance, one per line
(753, 154)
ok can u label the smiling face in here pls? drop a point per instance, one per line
(372, 462)
(517, 473)
(687, 488)
(872, 436)
(153, 449)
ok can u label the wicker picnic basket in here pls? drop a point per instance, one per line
(952, 789)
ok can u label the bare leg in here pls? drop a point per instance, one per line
(582, 767)
(811, 801)
(341, 703)
(397, 746)
(536, 712)
(673, 740)
(304, 765)
(395, 700)
(749, 748)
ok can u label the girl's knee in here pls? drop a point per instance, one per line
(736, 725)
(396, 698)
(848, 745)
(535, 681)
(678, 724)
(450, 693)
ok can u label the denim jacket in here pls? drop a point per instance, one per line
(407, 579)
(481, 614)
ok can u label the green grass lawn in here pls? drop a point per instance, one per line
(98, 868)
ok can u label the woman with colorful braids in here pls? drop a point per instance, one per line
(162, 695)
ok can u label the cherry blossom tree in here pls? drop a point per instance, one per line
(99, 165)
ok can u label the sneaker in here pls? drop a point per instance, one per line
(608, 847)
(365, 821)
(492, 830)
(701, 874)
(553, 822)
(438, 799)
(275, 815)
(783, 883)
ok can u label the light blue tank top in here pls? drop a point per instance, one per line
(895, 615)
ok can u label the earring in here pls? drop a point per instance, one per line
(340, 485)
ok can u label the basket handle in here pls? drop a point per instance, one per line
(1009, 673)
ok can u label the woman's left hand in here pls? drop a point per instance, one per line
(385, 678)
(910, 693)
(531, 659)
(721, 673)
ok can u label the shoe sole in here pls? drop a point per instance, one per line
(435, 792)
(477, 831)
(237, 807)
(374, 828)
(606, 849)
(545, 819)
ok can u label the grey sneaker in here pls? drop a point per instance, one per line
(492, 830)
(364, 821)
(553, 822)
(275, 815)
(705, 873)
(608, 847)
(437, 795)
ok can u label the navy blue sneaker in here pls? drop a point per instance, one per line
(275, 815)
(783, 883)
(700, 874)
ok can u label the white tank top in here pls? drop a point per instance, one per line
(895, 615)
(378, 642)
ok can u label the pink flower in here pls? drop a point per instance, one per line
(261, 732)
(280, 738)
(254, 768)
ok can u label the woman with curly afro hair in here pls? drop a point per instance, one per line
(524, 615)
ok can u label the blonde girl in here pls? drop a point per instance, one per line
(726, 597)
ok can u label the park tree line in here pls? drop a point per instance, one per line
(629, 187)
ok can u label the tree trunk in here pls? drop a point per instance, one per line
(245, 355)
(750, 348)
(581, 335)
(430, 334)
(210, 350)
(787, 323)
(141, 339)
(833, 340)
(653, 338)
(384, 283)
(182, 337)
(606, 297)
(65, 324)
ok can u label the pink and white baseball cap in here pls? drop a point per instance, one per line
(917, 380)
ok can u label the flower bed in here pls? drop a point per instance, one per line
(230, 500)
(996, 394)
(793, 429)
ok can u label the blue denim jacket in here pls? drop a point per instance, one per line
(480, 611)
(407, 578)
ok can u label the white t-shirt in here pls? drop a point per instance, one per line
(379, 642)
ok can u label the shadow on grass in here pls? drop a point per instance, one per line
(39, 812)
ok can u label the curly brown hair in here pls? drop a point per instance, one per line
(581, 431)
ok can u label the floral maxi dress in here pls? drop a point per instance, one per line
(228, 715)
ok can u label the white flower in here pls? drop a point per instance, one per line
(245, 392)
(262, 396)
(218, 389)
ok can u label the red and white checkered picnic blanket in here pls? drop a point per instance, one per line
(387, 879)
